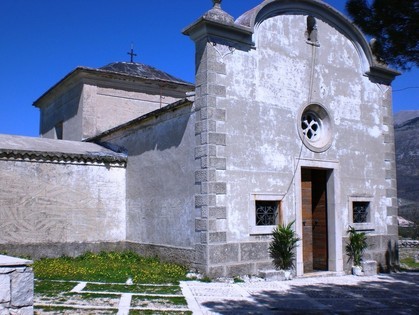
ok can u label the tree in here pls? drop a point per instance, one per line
(395, 26)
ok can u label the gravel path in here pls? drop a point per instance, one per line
(381, 294)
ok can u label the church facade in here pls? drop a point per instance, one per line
(289, 120)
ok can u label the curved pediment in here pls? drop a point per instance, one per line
(320, 10)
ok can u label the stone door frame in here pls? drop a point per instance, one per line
(334, 213)
(314, 216)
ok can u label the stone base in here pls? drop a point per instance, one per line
(185, 256)
(369, 267)
(16, 286)
(276, 275)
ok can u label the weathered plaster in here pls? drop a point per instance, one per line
(266, 90)
(160, 178)
(86, 101)
(45, 202)
(195, 169)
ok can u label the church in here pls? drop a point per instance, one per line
(289, 119)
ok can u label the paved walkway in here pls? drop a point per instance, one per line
(381, 294)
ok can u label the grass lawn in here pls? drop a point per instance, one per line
(409, 264)
(109, 267)
(155, 284)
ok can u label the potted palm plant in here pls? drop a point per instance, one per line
(355, 248)
(282, 248)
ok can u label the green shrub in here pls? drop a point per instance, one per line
(206, 279)
(356, 246)
(409, 233)
(282, 247)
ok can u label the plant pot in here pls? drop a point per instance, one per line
(288, 274)
(357, 270)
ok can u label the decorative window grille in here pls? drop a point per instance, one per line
(361, 211)
(311, 126)
(315, 128)
(267, 212)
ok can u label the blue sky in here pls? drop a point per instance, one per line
(41, 41)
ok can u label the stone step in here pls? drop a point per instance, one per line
(276, 275)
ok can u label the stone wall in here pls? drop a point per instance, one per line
(61, 202)
(16, 286)
(408, 248)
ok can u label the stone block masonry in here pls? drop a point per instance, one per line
(16, 286)
(408, 248)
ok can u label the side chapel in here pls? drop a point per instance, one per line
(289, 119)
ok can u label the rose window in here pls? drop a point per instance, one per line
(315, 128)
(311, 126)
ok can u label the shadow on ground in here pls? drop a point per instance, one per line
(398, 296)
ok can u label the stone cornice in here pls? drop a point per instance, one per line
(116, 160)
(382, 74)
(229, 32)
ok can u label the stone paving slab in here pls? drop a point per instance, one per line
(380, 294)
(78, 300)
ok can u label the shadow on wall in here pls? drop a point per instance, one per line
(400, 296)
(166, 132)
(392, 257)
(61, 111)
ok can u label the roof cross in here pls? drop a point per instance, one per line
(217, 3)
(131, 53)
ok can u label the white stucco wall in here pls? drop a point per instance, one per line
(61, 203)
(160, 179)
(107, 107)
(88, 102)
(63, 107)
(266, 91)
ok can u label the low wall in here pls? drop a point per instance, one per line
(16, 286)
(408, 248)
(61, 202)
(185, 256)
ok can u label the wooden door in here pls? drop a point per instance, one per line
(306, 188)
(314, 215)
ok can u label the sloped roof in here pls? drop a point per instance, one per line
(142, 71)
(50, 150)
(135, 121)
(121, 70)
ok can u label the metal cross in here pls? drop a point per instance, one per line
(131, 53)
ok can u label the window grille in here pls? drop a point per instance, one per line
(267, 212)
(311, 126)
(360, 211)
